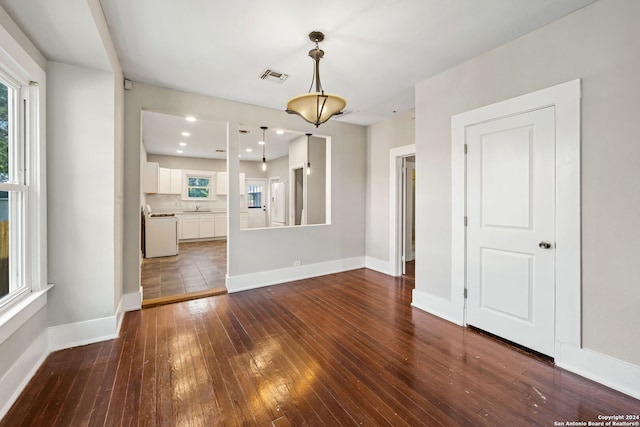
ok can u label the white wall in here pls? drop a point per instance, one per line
(599, 45)
(381, 138)
(254, 251)
(80, 185)
(317, 181)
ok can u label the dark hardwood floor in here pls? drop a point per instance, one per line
(344, 349)
(199, 266)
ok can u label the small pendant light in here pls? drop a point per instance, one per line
(264, 143)
(308, 155)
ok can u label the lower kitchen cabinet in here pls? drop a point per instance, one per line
(190, 228)
(244, 220)
(221, 224)
(207, 226)
(202, 226)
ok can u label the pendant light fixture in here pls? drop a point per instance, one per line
(264, 143)
(316, 107)
(308, 155)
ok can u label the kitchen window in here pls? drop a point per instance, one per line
(198, 187)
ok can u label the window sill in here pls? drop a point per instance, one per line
(21, 311)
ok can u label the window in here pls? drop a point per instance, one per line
(14, 190)
(254, 196)
(198, 187)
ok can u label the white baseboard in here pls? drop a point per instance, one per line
(82, 333)
(132, 301)
(21, 372)
(378, 265)
(246, 282)
(606, 370)
(437, 306)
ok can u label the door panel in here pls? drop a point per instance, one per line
(510, 210)
(256, 202)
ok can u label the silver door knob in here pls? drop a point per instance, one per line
(544, 245)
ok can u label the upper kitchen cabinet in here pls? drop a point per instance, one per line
(223, 184)
(158, 180)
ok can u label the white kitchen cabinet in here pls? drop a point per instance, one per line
(158, 180)
(244, 220)
(221, 184)
(221, 225)
(164, 180)
(190, 227)
(176, 181)
(207, 226)
(243, 190)
(202, 226)
(150, 177)
(223, 181)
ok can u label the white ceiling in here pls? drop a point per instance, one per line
(162, 134)
(375, 50)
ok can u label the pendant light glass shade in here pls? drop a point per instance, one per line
(316, 107)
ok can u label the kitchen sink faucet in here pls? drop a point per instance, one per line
(198, 208)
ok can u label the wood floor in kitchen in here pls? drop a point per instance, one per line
(199, 266)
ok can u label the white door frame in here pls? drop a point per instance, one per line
(565, 98)
(395, 210)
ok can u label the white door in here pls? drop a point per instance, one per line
(511, 228)
(278, 217)
(256, 202)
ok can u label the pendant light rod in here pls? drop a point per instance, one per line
(316, 107)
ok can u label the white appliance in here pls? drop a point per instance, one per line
(278, 217)
(161, 235)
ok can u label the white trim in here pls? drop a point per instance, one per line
(82, 333)
(606, 370)
(437, 306)
(20, 373)
(378, 265)
(273, 277)
(132, 301)
(21, 311)
(565, 98)
(395, 158)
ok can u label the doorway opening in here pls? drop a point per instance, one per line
(402, 210)
(298, 197)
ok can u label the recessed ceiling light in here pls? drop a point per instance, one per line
(261, 142)
(182, 144)
(239, 155)
(249, 150)
(186, 134)
(279, 131)
(179, 151)
(190, 119)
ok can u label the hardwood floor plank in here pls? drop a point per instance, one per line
(345, 349)
(272, 365)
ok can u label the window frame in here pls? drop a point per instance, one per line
(20, 72)
(210, 187)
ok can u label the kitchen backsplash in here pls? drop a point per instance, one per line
(174, 203)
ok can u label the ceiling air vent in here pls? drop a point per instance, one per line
(220, 151)
(274, 76)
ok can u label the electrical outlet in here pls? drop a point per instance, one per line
(296, 263)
